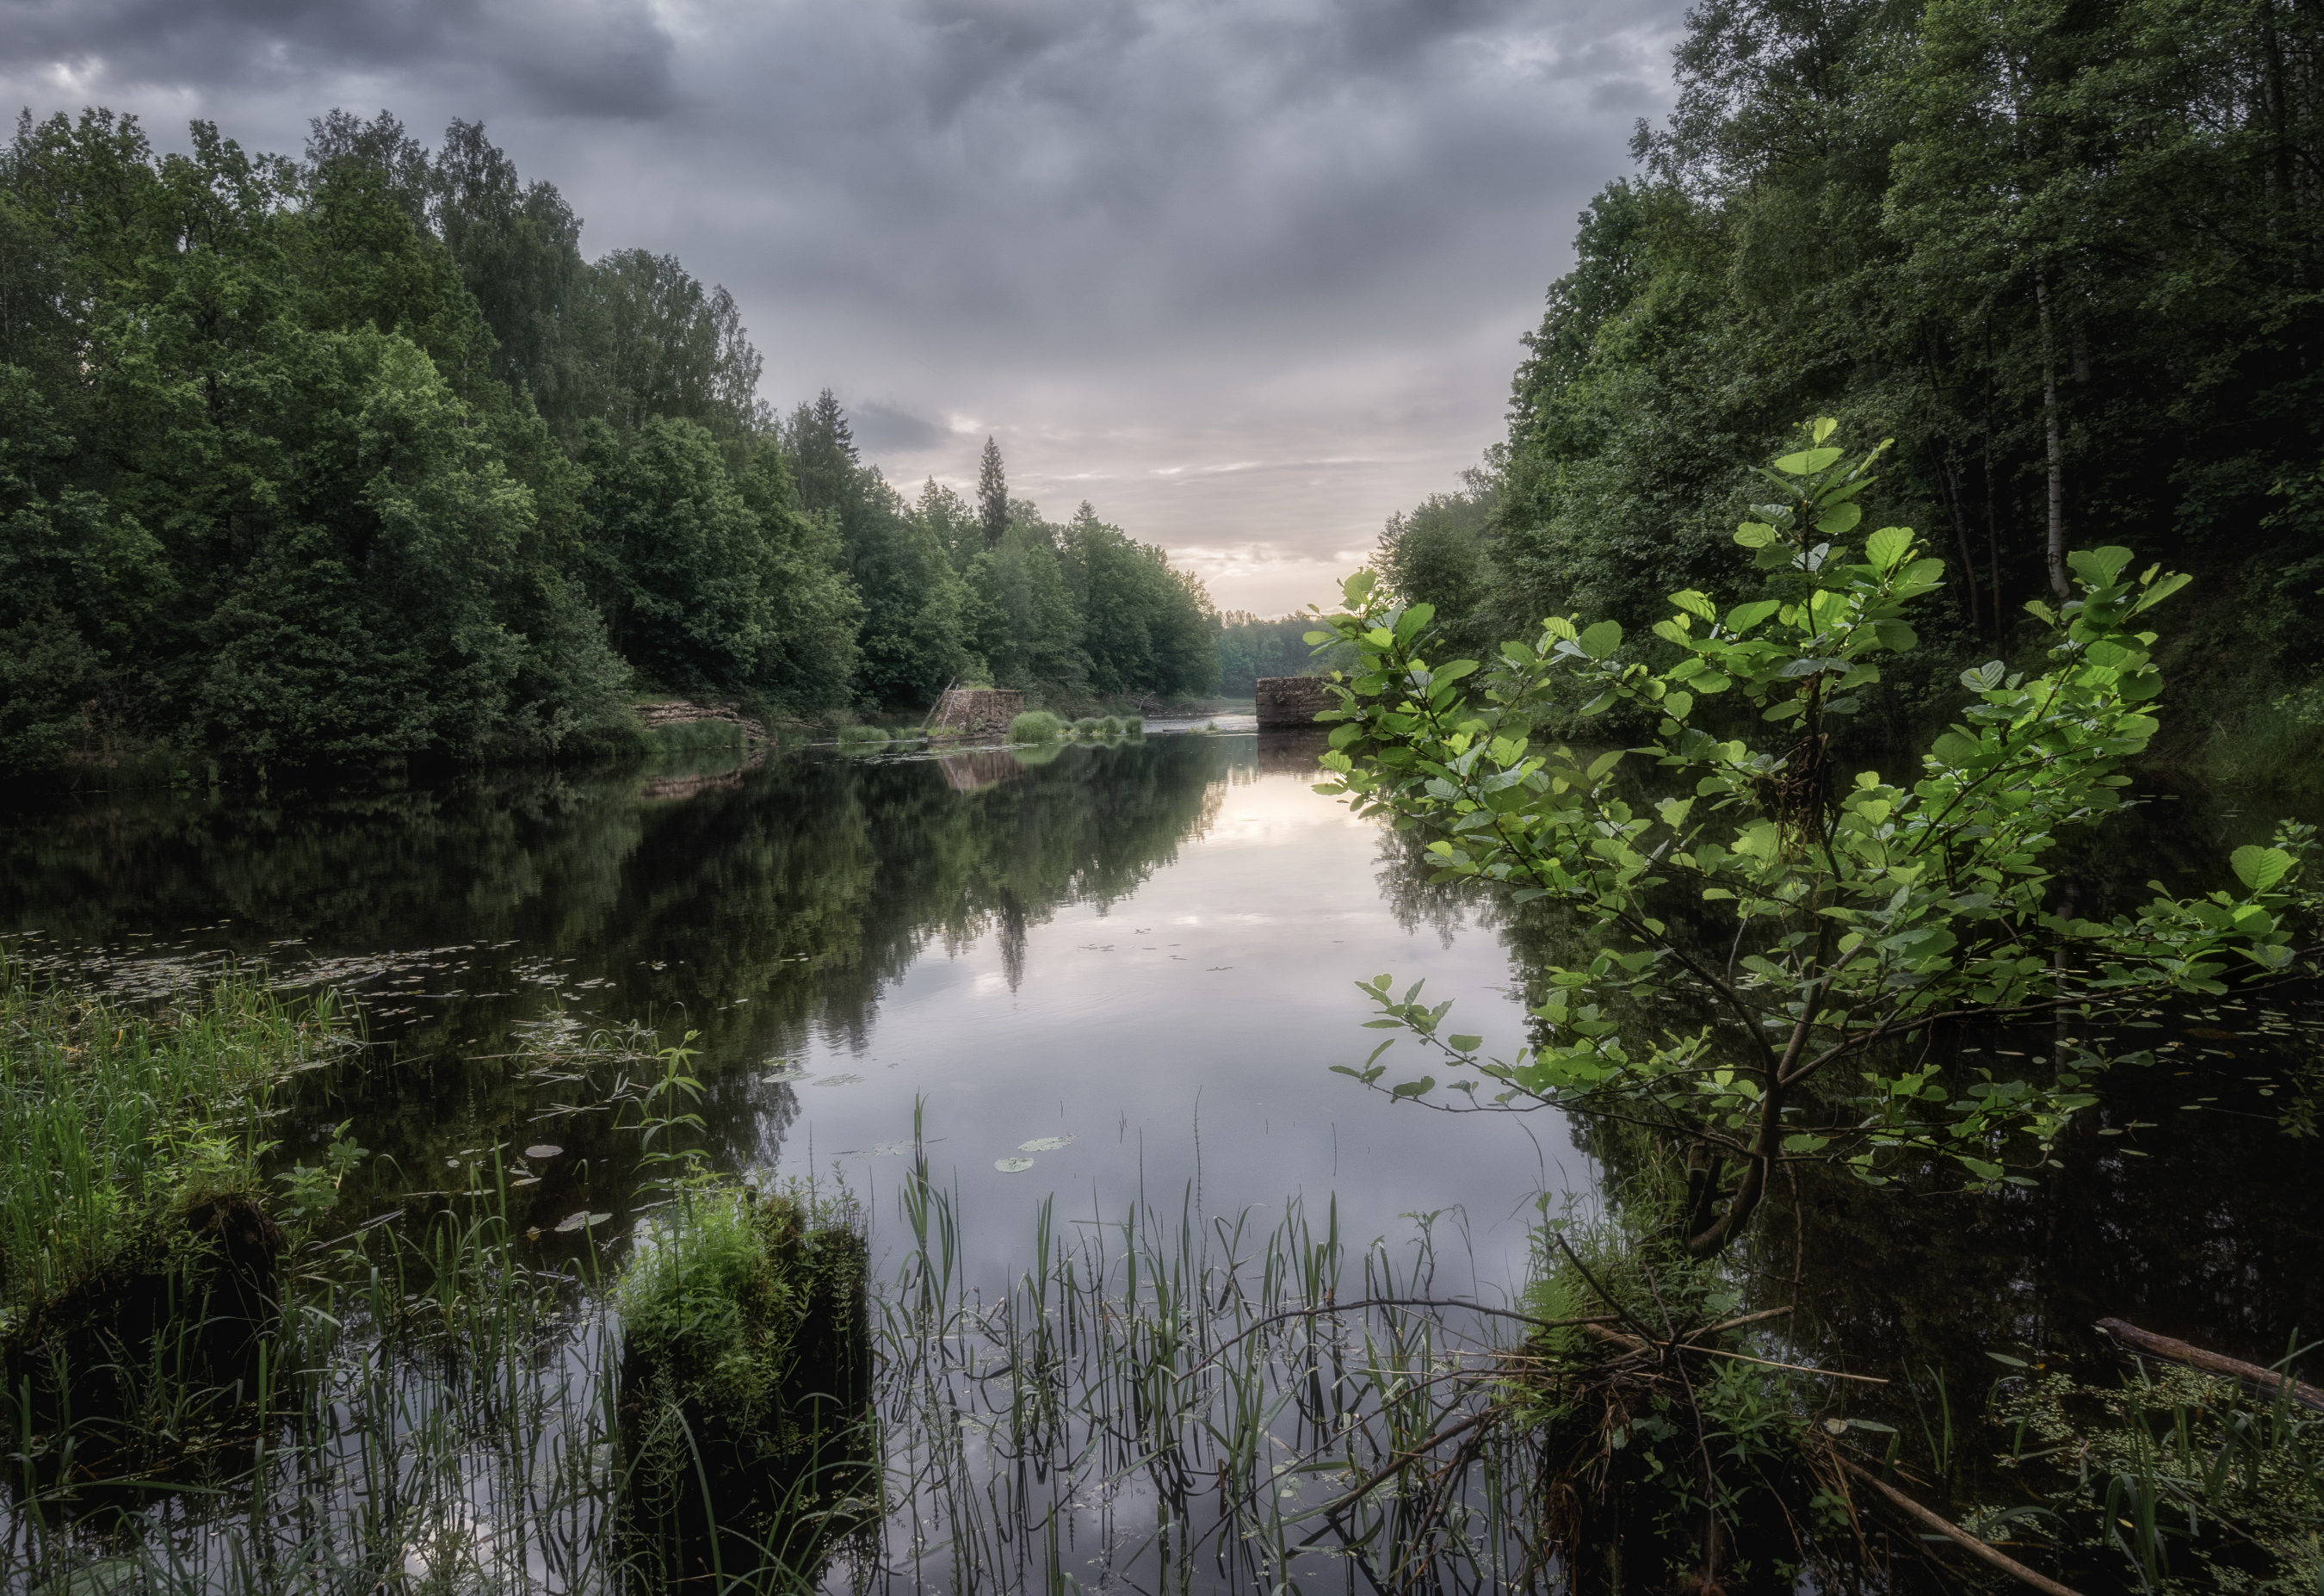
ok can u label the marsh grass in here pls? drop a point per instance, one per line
(1036, 725)
(121, 1129)
(2164, 1479)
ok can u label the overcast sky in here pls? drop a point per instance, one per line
(1247, 274)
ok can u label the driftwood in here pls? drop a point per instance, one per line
(2130, 1338)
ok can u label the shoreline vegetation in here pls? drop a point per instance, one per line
(758, 1388)
(458, 492)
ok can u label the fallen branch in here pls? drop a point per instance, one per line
(1958, 1536)
(2131, 1338)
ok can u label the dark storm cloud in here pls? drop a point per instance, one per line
(1140, 241)
(552, 58)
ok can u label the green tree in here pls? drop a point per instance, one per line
(1776, 958)
(992, 494)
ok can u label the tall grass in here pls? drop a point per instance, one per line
(1036, 725)
(115, 1123)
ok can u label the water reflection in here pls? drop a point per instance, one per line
(1147, 947)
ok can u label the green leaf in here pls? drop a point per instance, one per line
(1460, 1044)
(1953, 749)
(1806, 461)
(1888, 546)
(1602, 640)
(1415, 1088)
(1413, 620)
(2260, 868)
(1755, 534)
(1743, 617)
(1896, 635)
(1984, 678)
(1839, 519)
(2098, 567)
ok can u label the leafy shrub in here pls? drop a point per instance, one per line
(1111, 725)
(1135, 725)
(1089, 725)
(1036, 725)
(863, 734)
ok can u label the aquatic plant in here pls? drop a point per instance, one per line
(1135, 725)
(1036, 725)
(1088, 726)
(130, 1141)
(745, 1366)
(848, 734)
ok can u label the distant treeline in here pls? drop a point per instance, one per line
(356, 456)
(2067, 257)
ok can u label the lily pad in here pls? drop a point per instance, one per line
(785, 1076)
(1011, 1165)
(542, 1151)
(1046, 1144)
(839, 1080)
(574, 1221)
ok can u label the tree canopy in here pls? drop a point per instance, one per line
(2061, 254)
(355, 455)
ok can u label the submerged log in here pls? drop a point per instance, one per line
(2130, 1338)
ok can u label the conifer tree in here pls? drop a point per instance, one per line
(992, 494)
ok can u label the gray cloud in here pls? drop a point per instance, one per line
(557, 57)
(1134, 239)
(882, 430)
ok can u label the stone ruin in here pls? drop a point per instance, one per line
(975, 712)
(1289, 701)
(679, 712)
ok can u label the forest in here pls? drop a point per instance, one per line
(356, 458)
(2065, 255)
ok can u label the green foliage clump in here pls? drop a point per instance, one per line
(745, 1364)
(1111, 725)
(863, 734)
(123, 1133)
(1088, 726)
(1134, 725)
(709, 1303)
(1036, 725)
(2172, 1480)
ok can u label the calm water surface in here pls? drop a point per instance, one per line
(1149, 948)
